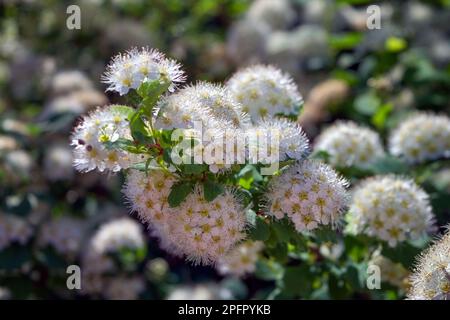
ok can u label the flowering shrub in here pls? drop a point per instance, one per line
(199, 209)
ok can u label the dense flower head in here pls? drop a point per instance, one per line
(64, 234)
(89, 137)
(391, 272)
(129, 70)
(201, 231)
(390, 208)
(264, 91)
(276, 14)
(208, 103)
(421, 137)
(310, 193)
(242, 259)
(13, 230)
(291, 141)
(118, 234)
(431, 278)
(219, 102)
(182, 111)
(350, 145)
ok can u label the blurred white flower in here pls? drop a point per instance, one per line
(421, 137)
(349, 144)
(390, 208)
(276, 14)
(118, 234)
(58, 162)
(64, 234)
(65, 82)
(241, 260)
(13, 230)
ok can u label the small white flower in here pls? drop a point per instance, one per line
(421, 137)
(201, 231)
(89, 137)
(431, 278)
(65, 235)
(309, 193)
(13, 230)
(128, 71)
(118, 234)
(389, 208)
(264, 92)
(241, 260)
(349, 144)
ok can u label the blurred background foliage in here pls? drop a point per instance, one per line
(49, 75)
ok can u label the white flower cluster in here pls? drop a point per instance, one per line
(264, 91)
(209, 103)
(200, 230)
(421, 137)
(117, 234)
(241, 260)
(128, 71)
(393, 273)
(58, 162)
(64, 234)
(310, 193)
(276, 14)
(431, 279)
(13, 230)
(89, 137)
(390, 208)
(350, 145)
(292, 142)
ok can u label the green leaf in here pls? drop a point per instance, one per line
(261, 231)
(212, 189)
(150, 93)
(380, 117)
(283, 229)
(279, 252)
(395, 44)
(325, 234)
(122, 144)
(139, 129)
(320, 155)
(297, 281)
(178, 193)
(345, 41)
